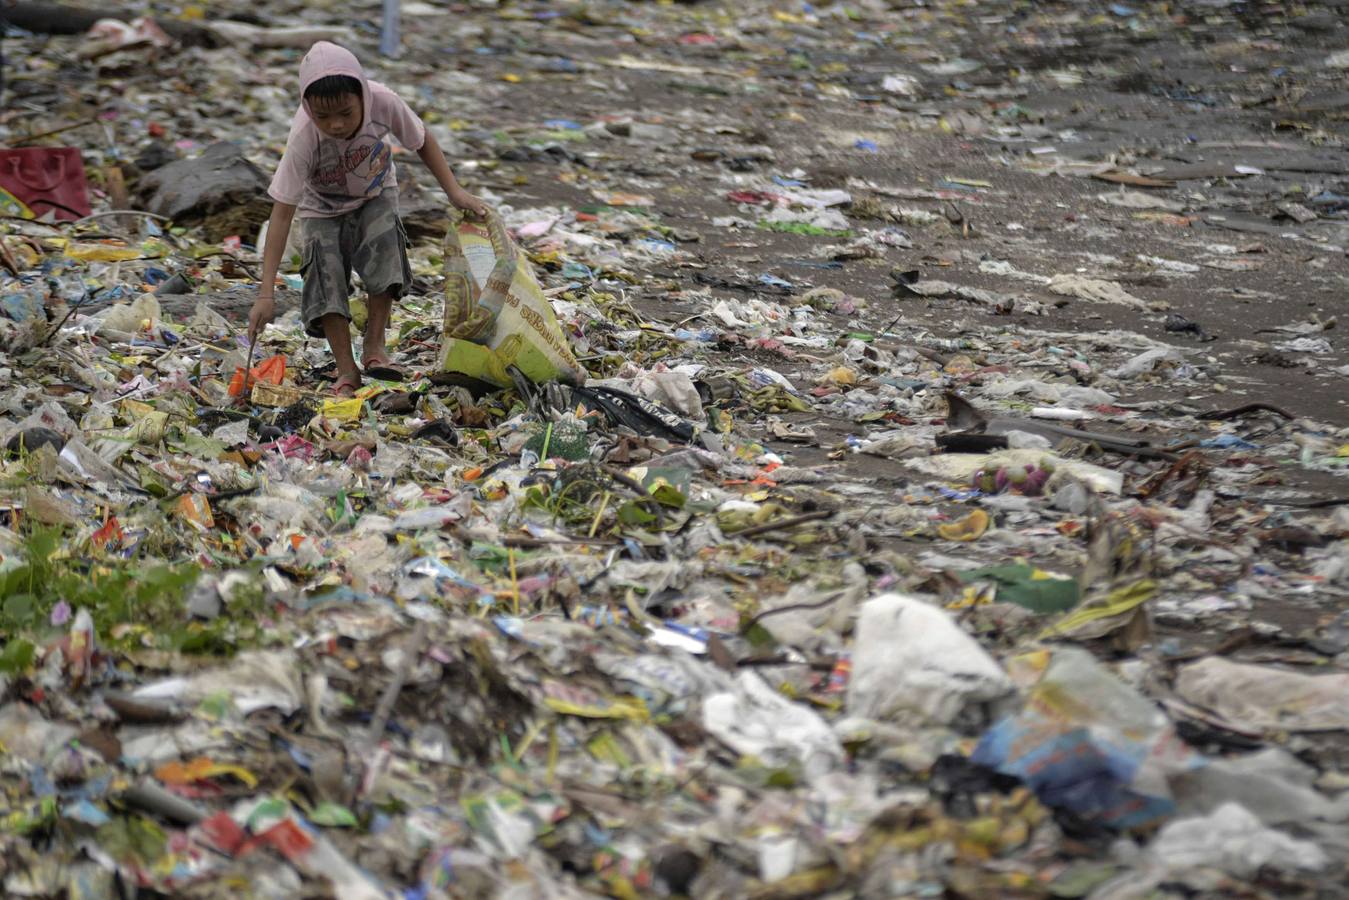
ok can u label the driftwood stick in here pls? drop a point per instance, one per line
(380, 720)
(29, 138)
(1221, 414)
(56, 18)
(782, 523)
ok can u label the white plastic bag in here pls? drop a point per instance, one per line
(1259, 697)
(912, 662)
(757, 721)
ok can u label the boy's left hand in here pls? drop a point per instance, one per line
(468, 203)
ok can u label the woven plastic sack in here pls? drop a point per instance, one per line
(36, 181)
(495, 312)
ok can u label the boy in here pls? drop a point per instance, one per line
(338, 171)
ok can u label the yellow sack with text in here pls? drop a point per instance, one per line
(495, 312)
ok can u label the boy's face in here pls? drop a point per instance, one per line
(337, 117)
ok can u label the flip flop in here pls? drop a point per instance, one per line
(344, 388)
(384, 370)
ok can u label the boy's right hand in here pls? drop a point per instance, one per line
(263, 311)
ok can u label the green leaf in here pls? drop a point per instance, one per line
(759, 637)
(14, 580)
(803, 228)
(42, 544)
(164, 583)
(194, 444)
(132, 840)
(668, 495)
(17, 656)
(271, 808)
(18, 609)
(215, 706)
(206, 641)
(632, 513)
(536, 497)
(153, 483)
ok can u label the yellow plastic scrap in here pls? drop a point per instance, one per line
(970, 528)
(359, 313)
(572, 701)
(609, 708)
(348, 410)
(975, 595)
(1117, 603)
(200, 769)
(95, 252)
(147, 423)
(606, 748)
(842, 376)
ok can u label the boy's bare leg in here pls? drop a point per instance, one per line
(337, 330)
(373, 345)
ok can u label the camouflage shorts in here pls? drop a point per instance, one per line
(370, 240)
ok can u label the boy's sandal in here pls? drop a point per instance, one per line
(384, 370)
(345, 387)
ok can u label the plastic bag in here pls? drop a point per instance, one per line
(754, 720)
(1273, 784)
(271, 370)
(962, 466)
(1233, 840)
(1088, 742)
(641, 415)
(496, 315)
(1263, 697)
(912, 663)
(131, 317)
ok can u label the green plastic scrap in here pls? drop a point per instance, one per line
(1028, 587)
(804, 228)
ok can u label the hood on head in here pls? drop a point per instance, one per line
(326, 58)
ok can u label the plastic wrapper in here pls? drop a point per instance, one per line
(1088, 742)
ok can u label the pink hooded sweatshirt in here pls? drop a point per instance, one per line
(325, 176)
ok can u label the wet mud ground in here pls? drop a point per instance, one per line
(1277, 273)
(1044, 224)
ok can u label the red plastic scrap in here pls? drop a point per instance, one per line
(288, 839)
(223, 833)
(759, 198)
